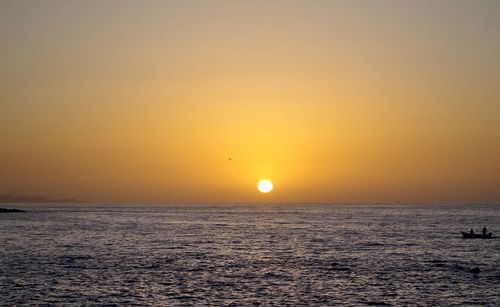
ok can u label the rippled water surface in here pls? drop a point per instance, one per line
(249, 254)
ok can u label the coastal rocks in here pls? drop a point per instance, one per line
(6, 210)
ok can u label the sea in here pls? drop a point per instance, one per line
(249, 254)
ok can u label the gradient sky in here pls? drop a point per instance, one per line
(334, 101)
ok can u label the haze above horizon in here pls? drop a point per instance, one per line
(186, 101)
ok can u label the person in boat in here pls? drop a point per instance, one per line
(485, 231)
(471, 231)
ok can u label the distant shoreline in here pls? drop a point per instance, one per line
(8, 198)
(8, 210)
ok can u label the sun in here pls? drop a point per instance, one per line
(265, 186)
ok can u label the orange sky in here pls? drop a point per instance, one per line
(332, 100)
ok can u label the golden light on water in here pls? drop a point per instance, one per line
(265, 186)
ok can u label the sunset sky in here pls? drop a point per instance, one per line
(333, 101)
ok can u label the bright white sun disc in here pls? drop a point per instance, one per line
(265, 186)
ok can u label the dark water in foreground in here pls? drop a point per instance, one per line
(249, 254)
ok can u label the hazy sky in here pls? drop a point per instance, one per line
(331, 100)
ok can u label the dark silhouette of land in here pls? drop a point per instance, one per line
(6, 210)
(10, 198)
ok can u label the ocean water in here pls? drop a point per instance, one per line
(184, 255)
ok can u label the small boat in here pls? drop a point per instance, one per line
(468, 235)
